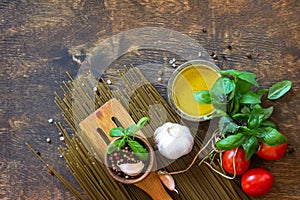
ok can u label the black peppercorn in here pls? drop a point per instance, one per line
(249, 55)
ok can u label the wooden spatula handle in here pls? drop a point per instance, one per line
(154, 187)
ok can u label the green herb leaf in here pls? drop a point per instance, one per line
(228, 85)
(131, 130)
(250, 98)
(113, 146)
(261, 92)
(218, 96)
(279, 89)
(142, 122)
(248, 77)
(268, 123)
(246, 110)
(138, 149)
(270, 136)
(242, 87)
(234, 106)
(268, 112)
(230, 72)
(202, 97)
(226, 125)
(116, 132)
(256, 117)
(247, 131)
(240, 117)
(251, 146)
(231, 141)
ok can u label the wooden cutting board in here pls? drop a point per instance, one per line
(95, 133)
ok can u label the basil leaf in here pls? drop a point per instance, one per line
(268, 112)
(217, 92)
(250, 98)
(218, 96)
(240, 117)
(131, 130)
(202, 97)
(116, 132)
(230, 72)
(251, 146)
(268, 123)
(226, 125)
(261, 92)
(142, 122)
(248, 77)
(256, 117)
(246, 110)
(270, 136)
(231, 141)
(279, 89)
(235, 106)
(228, 85)
(246, 131)
(113, 146)
(139, 150)
(242, 87)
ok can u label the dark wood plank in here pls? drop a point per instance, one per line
(38, 39)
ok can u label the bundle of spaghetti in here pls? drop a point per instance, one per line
(140, 99)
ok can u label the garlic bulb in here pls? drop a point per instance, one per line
(173, 140)
(132, 169)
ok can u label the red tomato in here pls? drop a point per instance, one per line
(241, 164)
(257, 182)
(272, 152)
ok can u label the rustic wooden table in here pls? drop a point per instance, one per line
(40, 39)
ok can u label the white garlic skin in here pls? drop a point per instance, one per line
(173, 140)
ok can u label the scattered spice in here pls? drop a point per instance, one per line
(48, 140)
(159, 79)
(51, 172)
(204, 30)
(95, 89)
(172, 61)
(108, 81)
(290, 149)
(214, 55)
(50, 121)
(224, 57)
(249, 55)
(160, 72)
(229, 47)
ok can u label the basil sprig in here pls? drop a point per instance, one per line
(243, 122)
(127, 136)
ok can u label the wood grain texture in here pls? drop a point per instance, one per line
(38, 39)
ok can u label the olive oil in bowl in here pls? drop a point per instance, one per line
(188, 78)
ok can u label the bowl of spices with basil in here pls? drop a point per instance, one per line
(129, 157)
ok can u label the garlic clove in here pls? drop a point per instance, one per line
(167, 180)
(131, 169)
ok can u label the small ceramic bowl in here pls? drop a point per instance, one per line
(145, 172)
(188, 78)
